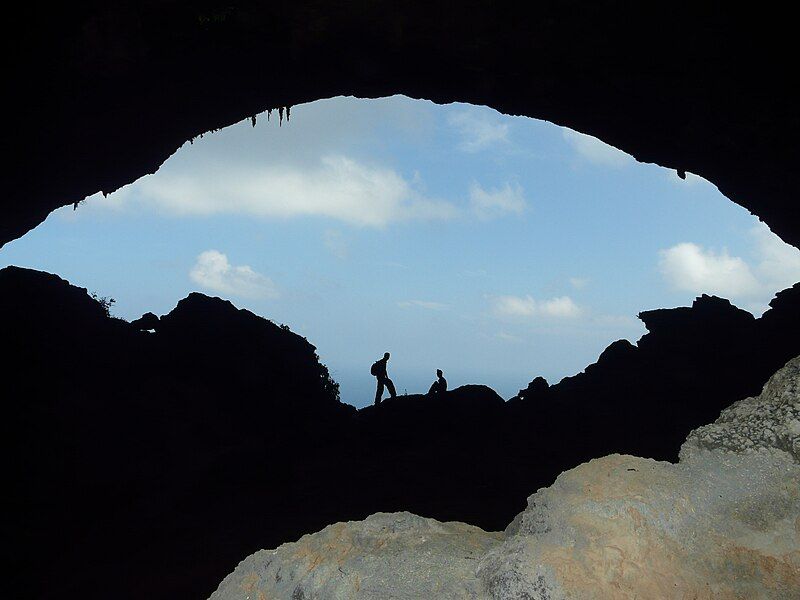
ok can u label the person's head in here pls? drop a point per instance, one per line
(386, 355)
(439, 373)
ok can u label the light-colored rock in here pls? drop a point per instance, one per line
(397, 555)
(723, 523)
(769, 422)
(627, 527)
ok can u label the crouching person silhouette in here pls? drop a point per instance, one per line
(439, 386)
(379, 370)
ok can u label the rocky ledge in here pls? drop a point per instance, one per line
(724, 522)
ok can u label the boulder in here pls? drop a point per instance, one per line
(369, 559)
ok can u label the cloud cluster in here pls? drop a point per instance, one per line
(212, 271)
(306, 172)
(478, 129)
(337, 187)
(525, 307)
(488, 204)
(596, 151)
(690, 267)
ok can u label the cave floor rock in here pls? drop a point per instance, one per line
(722, 523)
(397, 555)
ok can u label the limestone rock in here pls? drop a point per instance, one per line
(626, 527)
(723, 523)
(769, 422)
(379, 557)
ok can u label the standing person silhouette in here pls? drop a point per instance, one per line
(379, 370)
(439, 386)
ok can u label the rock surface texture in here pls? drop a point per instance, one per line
(722, 523)
(388, 555)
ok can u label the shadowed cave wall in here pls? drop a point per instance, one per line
(104, 92)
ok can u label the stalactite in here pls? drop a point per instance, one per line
(253, 120)
(288, 110)
(280, 116)
(269, 112)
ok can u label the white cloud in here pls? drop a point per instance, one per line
(478, 129)
(422, 304)
(514, 306)
(496, 202)
(596, 151)
(692, 268)
(336, 187)
(212, 271)
(526, 307)
(778, 262)
(689, 267)
(579, 282)
(560, 307)
(336, 244)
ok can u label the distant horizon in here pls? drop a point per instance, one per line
(496, 248)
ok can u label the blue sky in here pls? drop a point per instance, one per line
(495, 248)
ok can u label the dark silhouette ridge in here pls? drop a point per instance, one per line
(537, 389)
(147, 322)
(150, 463)
(645, 398)
(104, 92)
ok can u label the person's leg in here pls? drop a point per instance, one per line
(379, 392)
(390, 385)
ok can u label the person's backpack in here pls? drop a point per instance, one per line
(375, 368)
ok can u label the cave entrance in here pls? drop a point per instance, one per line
(496, 248)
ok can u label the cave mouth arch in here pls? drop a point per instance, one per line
(351, 173)
(104, 93)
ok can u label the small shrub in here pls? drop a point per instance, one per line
(106, 302)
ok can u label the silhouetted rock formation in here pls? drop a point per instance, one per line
(536, 390)
(689, 365)
(161, 459)
(717, 525)
(139, 448)
(147, 322)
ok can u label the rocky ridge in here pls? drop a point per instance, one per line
(724, 522)
(168, 448)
